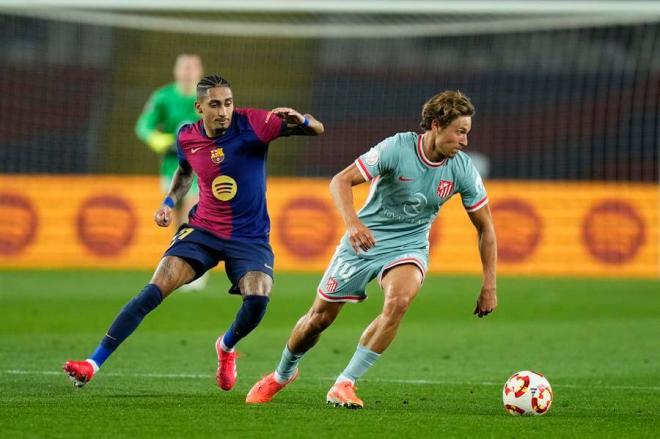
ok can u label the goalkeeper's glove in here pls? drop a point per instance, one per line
(160, 142)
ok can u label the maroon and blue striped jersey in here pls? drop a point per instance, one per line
(231, 171)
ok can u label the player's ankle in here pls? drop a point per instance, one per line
(224, 347)
(343, 378)
(93, 364)
(279, 379)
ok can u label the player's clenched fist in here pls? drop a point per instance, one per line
(486, 303)
(163, 216)
(360, 236)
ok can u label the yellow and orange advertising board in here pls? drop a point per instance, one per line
(543, 228)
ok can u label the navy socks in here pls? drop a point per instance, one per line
(247, 318)
(132, 314)
(128, 319)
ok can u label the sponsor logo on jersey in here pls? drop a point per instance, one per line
(217, 156)
(224, 187)
(415, 205)
(445, 188)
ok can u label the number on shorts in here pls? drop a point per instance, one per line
(343, 270)
(182, 234)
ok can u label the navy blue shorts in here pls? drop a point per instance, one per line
(203, 250)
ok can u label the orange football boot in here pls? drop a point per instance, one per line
(343, 395)
(266, 388)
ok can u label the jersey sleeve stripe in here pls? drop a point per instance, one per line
(481, 203)
(363, 170)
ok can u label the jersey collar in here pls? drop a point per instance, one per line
(202, 131)
(424, 159)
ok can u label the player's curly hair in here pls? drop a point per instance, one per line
(444, 108)
(208, 82)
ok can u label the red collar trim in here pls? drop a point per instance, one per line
(422, 156)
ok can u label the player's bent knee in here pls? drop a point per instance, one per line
(255, 283)
(398, 304)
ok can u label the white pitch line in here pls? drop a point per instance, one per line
(115, 374)
(375, 380)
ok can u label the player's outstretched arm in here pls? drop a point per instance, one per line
(299, 124)
(181, 183)
(341, 188)
(483, 222)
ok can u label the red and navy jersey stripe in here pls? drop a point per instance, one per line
(231, 173)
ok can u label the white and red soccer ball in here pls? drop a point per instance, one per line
(527, 393)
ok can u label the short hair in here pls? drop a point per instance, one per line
(444, 108)
(187, 54)
(209, 82)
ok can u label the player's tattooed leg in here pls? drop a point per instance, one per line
(172, 272)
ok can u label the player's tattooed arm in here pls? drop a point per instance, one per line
(296, 125)
(181, 183)
(483, 222)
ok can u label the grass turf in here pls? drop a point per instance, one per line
(598, 342)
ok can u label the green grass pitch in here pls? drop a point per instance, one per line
(597, 341)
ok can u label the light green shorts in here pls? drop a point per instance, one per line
(348, 274)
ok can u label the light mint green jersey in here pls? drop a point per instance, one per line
(408, 190)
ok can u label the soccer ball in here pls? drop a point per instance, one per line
(527, 393)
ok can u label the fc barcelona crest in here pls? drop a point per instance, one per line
(445, 189)
(217, 156)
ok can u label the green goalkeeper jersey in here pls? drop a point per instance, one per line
(408, 190)
(165, 112)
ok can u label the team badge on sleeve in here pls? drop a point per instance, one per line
(479, 183)
(445, 188)
(372, 157)
(217, 156)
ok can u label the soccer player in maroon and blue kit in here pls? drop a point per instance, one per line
(227, 150)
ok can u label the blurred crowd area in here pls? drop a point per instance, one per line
(577, 104)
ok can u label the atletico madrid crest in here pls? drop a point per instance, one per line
(217, 156)
(445, 189)
(331, 286)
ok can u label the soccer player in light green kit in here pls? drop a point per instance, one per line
(412, 175)
(169, 108)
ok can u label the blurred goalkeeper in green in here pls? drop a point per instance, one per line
(168, 108)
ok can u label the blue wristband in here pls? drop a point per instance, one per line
(169, 202)
(305, 122)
